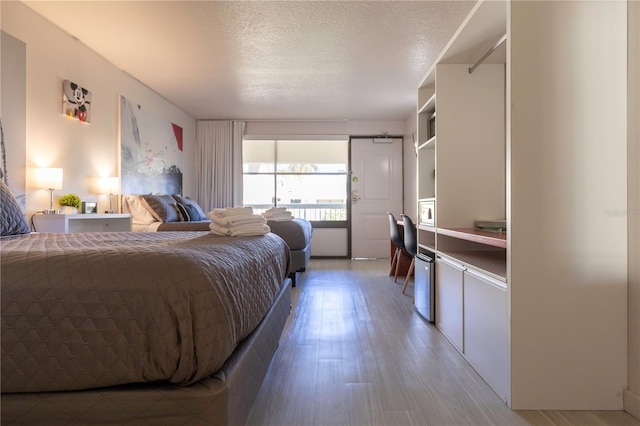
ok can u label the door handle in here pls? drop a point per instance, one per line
(355, 195)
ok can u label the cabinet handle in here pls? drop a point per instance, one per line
(487, 279)
(451, 263)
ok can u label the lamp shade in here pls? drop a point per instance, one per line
(48, 178)
(109, 185)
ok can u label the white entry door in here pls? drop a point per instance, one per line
(376, 188)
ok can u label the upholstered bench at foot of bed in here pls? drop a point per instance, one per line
(297, 234)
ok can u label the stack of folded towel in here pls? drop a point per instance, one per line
(237, 221)
(278, 214)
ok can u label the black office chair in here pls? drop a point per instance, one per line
(410, 245)
(397, 241)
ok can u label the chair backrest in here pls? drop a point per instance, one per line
(396, 238)
(410, 236)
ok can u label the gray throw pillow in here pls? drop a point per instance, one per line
(162, 207)
(193, 212)
(13, 221)
(183, 213)
(192, 206)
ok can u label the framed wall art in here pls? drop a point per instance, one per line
(76, 101)
(150, 151)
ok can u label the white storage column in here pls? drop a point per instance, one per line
(567, 141)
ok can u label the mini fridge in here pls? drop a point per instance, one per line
(424, 291)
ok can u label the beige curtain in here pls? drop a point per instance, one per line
(219, 163)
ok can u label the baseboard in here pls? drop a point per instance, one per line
(631, 403)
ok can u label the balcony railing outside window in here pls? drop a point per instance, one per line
(313, 212)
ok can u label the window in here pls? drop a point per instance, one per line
(309, 177)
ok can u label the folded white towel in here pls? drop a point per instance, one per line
(284, 213)
(230, 211)
(240, 220)
(250, 230)
(279, 217)
(276, 210)
(279, 214)
(239, 231)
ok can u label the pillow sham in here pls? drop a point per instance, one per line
(183, 213)
(193, 212)
(193, 205)
(13, 221)
(139, 212)
(162, 207)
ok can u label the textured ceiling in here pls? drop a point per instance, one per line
(316, 60)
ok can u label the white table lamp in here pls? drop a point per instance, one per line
(110, 186)
(51, 179)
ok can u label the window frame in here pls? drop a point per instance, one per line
(344, 207)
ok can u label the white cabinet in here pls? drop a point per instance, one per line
(520, 133)
(486, 331)
(71, 223)
(464, 170)
(449, 293)
(471, 311)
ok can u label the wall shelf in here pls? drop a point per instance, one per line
(427, 228)
(492, 263)
(429, 106)
(428, 144)
(494, 239)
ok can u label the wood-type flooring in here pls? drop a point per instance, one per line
(354, 352)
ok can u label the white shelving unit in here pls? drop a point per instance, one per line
(508, 300)
(72, 223)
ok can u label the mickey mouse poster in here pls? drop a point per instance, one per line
(76, 101)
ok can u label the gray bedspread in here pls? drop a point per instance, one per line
(89, 310)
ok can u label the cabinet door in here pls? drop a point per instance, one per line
(50, 223)
(486, 343)
(449, 276)
(117, 225)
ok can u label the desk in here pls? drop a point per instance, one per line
(405, 259)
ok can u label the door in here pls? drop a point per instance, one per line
(376, 188)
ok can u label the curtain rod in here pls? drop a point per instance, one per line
(487, 53)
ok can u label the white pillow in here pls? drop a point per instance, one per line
(139, 212)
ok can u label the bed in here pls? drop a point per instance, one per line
(160, 213)
(297, 234)
(138, 328)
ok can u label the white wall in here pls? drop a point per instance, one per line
(632, 395)
(338, 127)
(82, 150)
(13, 86)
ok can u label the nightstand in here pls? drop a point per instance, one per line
(71, 223)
